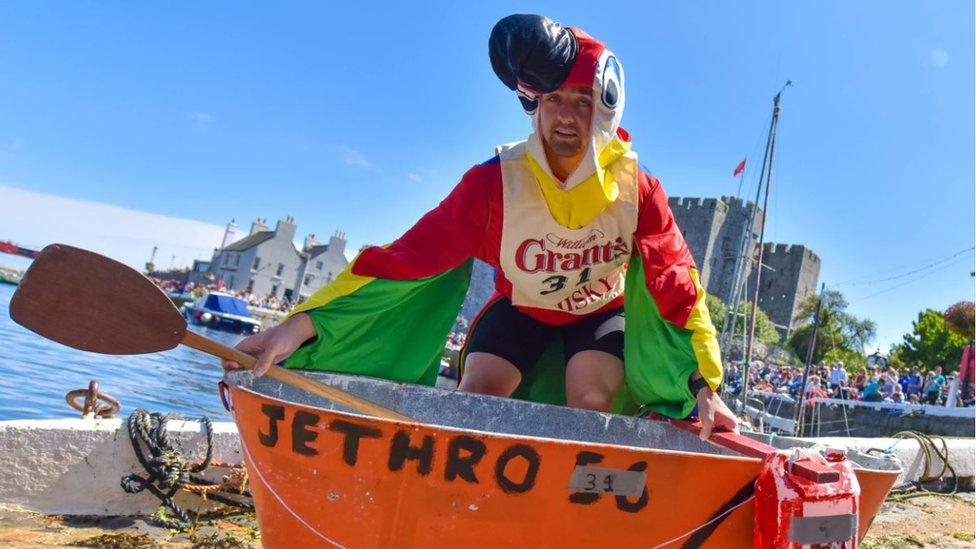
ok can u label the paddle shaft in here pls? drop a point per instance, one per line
(211, 347)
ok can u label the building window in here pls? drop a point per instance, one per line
(230, 282)
(329, 278)
(274, 290)
(257, 263)
(281, 269)
(308, 279)
(250, 285)
(318, 265)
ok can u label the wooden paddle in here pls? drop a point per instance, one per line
(93, 303)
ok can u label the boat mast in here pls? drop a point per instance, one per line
(799, 409)
(767, 170)
(739, 274)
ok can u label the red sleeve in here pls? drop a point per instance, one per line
(664, 253)
(444, 238)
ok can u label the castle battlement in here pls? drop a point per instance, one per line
(684, 202)
(735, 203)
(725, 204)
(796, 251)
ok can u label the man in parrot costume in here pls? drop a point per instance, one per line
(582, 241)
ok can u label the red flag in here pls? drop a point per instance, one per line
(740, 168)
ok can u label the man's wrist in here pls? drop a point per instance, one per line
(697, 384)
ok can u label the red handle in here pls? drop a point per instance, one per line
(810, 470)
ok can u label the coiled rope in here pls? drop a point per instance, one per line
(930, 448)
(168, 469)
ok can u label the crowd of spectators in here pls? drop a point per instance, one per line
(270, 301)
(455, 340)
(868, 384)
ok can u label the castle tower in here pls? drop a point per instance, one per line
(792, 273)
(713, 230)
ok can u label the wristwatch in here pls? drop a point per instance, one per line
(697, 384)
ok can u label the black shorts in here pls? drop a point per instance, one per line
(520, 339)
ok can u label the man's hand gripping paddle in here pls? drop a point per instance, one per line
(93, 303)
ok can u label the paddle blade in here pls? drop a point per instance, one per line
(90, 302)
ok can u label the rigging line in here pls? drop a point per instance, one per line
(713, 519)
(909, 273)
(861, 280)
(754, 151)
(916, 279)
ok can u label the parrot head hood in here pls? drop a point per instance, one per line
(532, 55)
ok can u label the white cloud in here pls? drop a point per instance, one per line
(201, 118)
(35, 220)
(353, 157)
(414, 177)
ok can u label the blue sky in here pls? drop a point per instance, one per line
(361, 117)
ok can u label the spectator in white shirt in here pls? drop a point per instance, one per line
(837, 375)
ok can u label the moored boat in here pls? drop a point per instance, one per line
(10, 277)
(478, 470)
(221, 311)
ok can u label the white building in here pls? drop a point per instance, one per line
(267, 262)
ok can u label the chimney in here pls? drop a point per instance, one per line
(230, 234)
(310, 241)
(337, 242)
(286, 228)
(258, 226)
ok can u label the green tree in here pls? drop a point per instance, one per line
(841, 335)
(930, 343)
(718, 310)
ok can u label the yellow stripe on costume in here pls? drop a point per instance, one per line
(345, 284)
(703, 337)
(577, 207)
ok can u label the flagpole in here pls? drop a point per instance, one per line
(738, 269)
(742, 175)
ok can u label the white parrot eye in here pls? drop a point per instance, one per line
(611, 83)
(529, 101)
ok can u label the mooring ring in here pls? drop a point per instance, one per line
(95, 402)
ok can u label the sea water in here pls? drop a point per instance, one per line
(35, 374)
